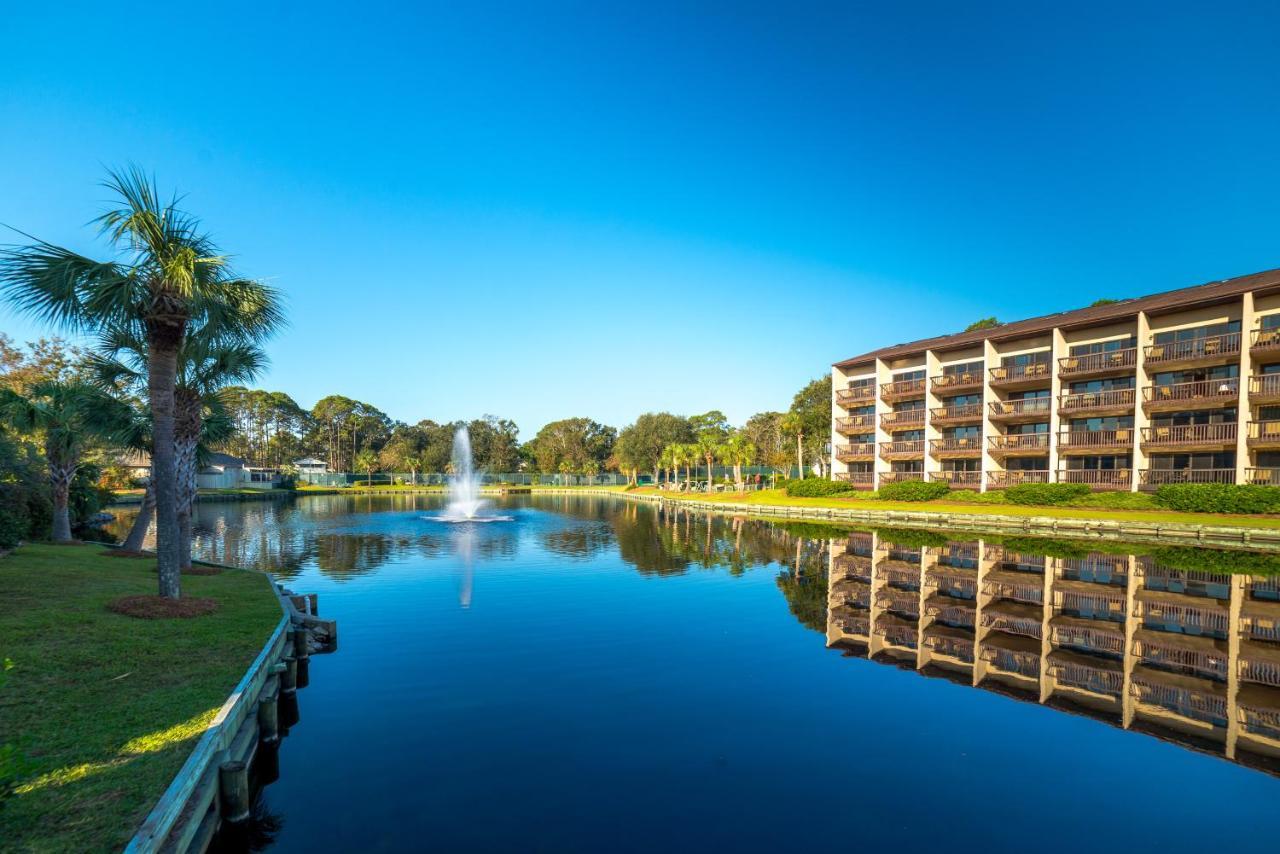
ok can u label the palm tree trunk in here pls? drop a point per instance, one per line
(187, 406)
(800, 453)
(138, 533)
(61, 473)
(161, 373)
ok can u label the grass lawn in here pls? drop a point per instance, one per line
(105, 707)
(856, 501)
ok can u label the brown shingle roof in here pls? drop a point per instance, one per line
(1160, 303)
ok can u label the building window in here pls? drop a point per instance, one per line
(1104, 346)
(1027, 429)
(1176, 335)
(1199, 416)
(1198, 375)
(1108, 462)
(1040, 357)
(971, 431)
(1027, 464)
(1200, 461)
(906, 376)
(974, 368)
(1095, 386)
(962, 400)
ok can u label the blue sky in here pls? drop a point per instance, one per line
(547, 210)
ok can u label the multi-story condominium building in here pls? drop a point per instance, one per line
(1178, 387)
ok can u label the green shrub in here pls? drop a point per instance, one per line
(1219, 498)
(816, 487)
(1045, 493)
(913, 490)
(1217, 560)
(15, 515)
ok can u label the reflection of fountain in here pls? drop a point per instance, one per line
(465, 502)
(464, 542)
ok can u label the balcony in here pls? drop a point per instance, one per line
(859, 395)
(1154, 478)
(1207, 350)
(1093, 441)
(1006, 479)
(954, 383)
(966, 414)
(860, 479)
(1100, 479)
(1205, 393)
(1262, 476)
(1018, 445)
(853, 424)
(902, 390)
(1013, 377)
(1021, 411)
(958, 479)
(900, 476)
(908, 419)
(1264, 435)
(1190, 437)
(1117, 402)
(1264, 345)
(1264, 388)
(911, 449)
(1112, 363)
(955, 447)
(857, 452)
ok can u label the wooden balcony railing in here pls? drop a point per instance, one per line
(1264, 433)
(1262, 476)
(855, 423)
(956, 444)
(1019, 373)
(958, 478)
(1190, 434)
(1019, 442)
(902, 388)
(1098, 478)
(900, 476)
(1264, 387)
(946, 414)
(956, 382)
(1206, 347)
(910, 447)
(1093, 363)
(1224, 389)
(1116, 399)
(1026, 406)
(1265, 339)
(857, 478)
(1079, 440)
(855, 394)
(1159, 477)
(902, 420)
(848, 453)
(1006, 479)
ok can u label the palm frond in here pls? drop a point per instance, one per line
(55, 284)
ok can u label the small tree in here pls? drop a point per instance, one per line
(737, 451)
(367, 462)
(792, 423)
(984, 323)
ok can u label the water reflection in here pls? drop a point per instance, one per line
(1169, 642)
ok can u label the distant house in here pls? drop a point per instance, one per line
(310, 465)
(138, 463)
(221, 471)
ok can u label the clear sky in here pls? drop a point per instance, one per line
(542, 211)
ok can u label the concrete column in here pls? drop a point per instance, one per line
(1140, 419)
(1047, 682)
(990, 359)
(837, 383)
(985, 563)
(1127, 705)
(883, 375)
(933, 367)
(1239, 584)
(923, 653)
(1244, 413)
(1058, 350)
(875, 643)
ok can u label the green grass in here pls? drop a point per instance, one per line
(1118, 506)
(105, 707)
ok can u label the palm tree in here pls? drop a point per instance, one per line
(689, 456)
(669, 460)
(207, 363)
(367, 462)
(414, 464)
(170, 275)
(68, 416)
(793, 423)
(708, 446)
(737, 451)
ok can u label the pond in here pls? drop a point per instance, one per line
(601, 674)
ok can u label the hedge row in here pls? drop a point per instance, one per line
(913, 490)
(815, 487)
(1219, 498)
(1045, 493)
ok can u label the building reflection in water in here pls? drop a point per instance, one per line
(1188, 655)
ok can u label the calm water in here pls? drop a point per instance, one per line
(599, 676)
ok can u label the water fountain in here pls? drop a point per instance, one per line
(465, 503)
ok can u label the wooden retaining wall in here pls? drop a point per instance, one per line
(189, 812)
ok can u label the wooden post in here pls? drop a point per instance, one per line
(268, 718)
(233, 786)
(300, 647)
(289, 678)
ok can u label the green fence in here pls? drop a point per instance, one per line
(719, 474)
